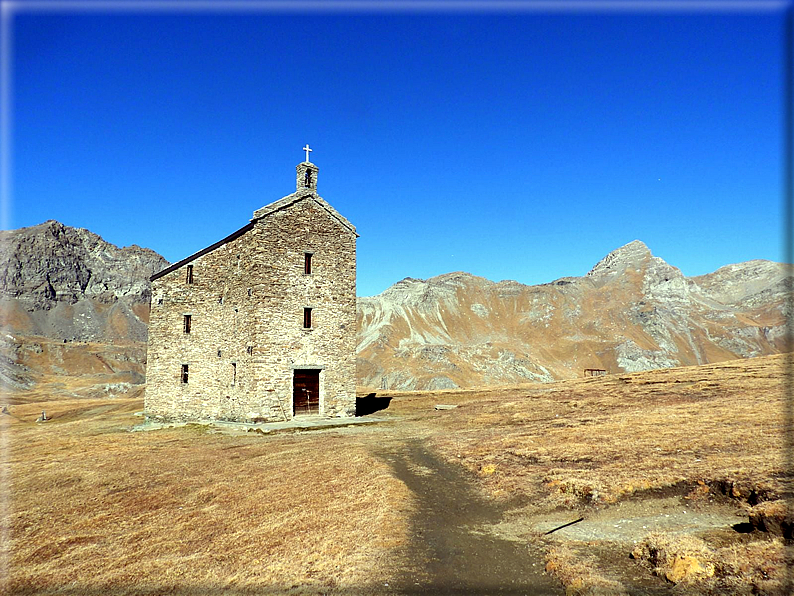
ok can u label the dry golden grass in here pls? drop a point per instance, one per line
(599, 440)
(95, 508)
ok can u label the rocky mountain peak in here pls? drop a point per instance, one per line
(50, 263)
(51, 226)
(634, 254)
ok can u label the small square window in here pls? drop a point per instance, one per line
(307, 263)
(186, 323)
(184, 374)
(189, 275)
(307, 318)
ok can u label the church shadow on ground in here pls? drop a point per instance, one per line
(370, 404)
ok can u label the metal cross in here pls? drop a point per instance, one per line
(306, 149)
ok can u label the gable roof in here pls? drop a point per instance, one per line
(285, 202)
(273, 207)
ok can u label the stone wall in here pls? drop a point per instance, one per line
(246, 305)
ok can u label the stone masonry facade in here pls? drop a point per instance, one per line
(228, 326)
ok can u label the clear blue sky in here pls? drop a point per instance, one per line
(516, 144)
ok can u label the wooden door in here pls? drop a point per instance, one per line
(306, 392)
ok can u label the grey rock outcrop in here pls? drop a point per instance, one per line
(633, 255)
(64, 282)
(51, 263)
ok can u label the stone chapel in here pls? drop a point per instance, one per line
(260, 326)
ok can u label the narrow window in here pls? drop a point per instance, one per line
(189, 276)
(307, 178)
(249, 291)
(159, 301)
(250, 349)
(220, 299)
(307, 318)
(234, 373)
(219, 353)
(186, 323)
(184, 373)
(307, 263)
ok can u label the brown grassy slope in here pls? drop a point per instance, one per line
(50, 368)
(95, 508)
(597, 440)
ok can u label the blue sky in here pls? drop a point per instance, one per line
(523, 143)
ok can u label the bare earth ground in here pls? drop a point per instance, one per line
(667, 468)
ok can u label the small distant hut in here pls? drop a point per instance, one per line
(594, 372)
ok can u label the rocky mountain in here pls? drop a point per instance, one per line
(68, 283)
(631, 312)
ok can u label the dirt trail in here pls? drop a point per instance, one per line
(452, 551)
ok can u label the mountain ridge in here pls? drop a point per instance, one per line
(632, 311)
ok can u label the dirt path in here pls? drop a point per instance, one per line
(452, 551)
(465, 543)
